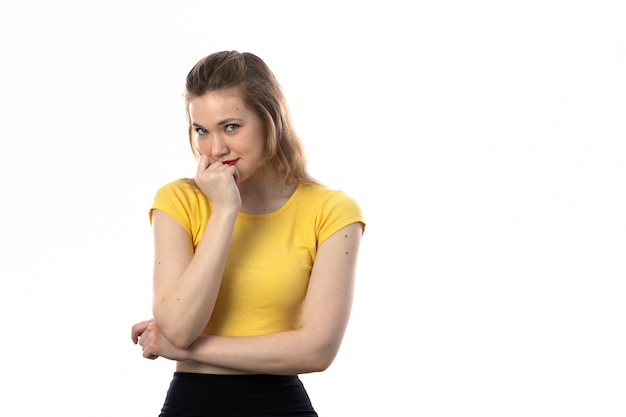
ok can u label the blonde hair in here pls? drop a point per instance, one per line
(262, 93)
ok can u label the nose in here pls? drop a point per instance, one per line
(219, 146)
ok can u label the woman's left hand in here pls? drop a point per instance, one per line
(154, 344)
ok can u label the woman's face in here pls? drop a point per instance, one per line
(227, 131)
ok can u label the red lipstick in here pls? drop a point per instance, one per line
(231, 162)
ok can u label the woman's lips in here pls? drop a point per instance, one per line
(231, 162)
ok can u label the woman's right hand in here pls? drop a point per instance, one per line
(218, 182)
(153, 344)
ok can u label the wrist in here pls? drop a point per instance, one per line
(224, 213)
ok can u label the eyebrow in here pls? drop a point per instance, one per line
(221, 122)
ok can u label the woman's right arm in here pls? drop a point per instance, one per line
(186, 282)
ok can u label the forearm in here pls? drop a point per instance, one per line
(325, 314)
(286, 353)
(185, 308)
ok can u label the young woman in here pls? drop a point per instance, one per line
(255, 260)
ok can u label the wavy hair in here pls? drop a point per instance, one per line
(262, 93)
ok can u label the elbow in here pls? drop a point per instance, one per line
(320, 366)
(174, 333)
(316, 350)
(180, 341)
(320, 358)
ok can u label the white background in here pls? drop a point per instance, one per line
(485, 141)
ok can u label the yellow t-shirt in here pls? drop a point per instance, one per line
(270, 256)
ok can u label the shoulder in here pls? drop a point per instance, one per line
(320, 196)
(179, 186)
(182, 190)
(320, 192)
(331, 209)
(181, 199)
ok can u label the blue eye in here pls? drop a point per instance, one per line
(201, 131)
(231, 127)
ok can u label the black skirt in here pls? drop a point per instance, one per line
(203, 395)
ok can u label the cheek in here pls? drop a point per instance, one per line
(203, 147)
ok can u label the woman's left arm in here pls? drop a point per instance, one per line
(325, 314)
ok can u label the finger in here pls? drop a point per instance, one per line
(144, 339)
(232, 171)
(236, 176)
(203, 163)
(149, 352)
(137, 330)
(151, 356)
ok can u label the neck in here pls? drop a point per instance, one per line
(264, 195)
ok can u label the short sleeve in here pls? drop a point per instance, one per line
(178, 200)
(337, 211)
